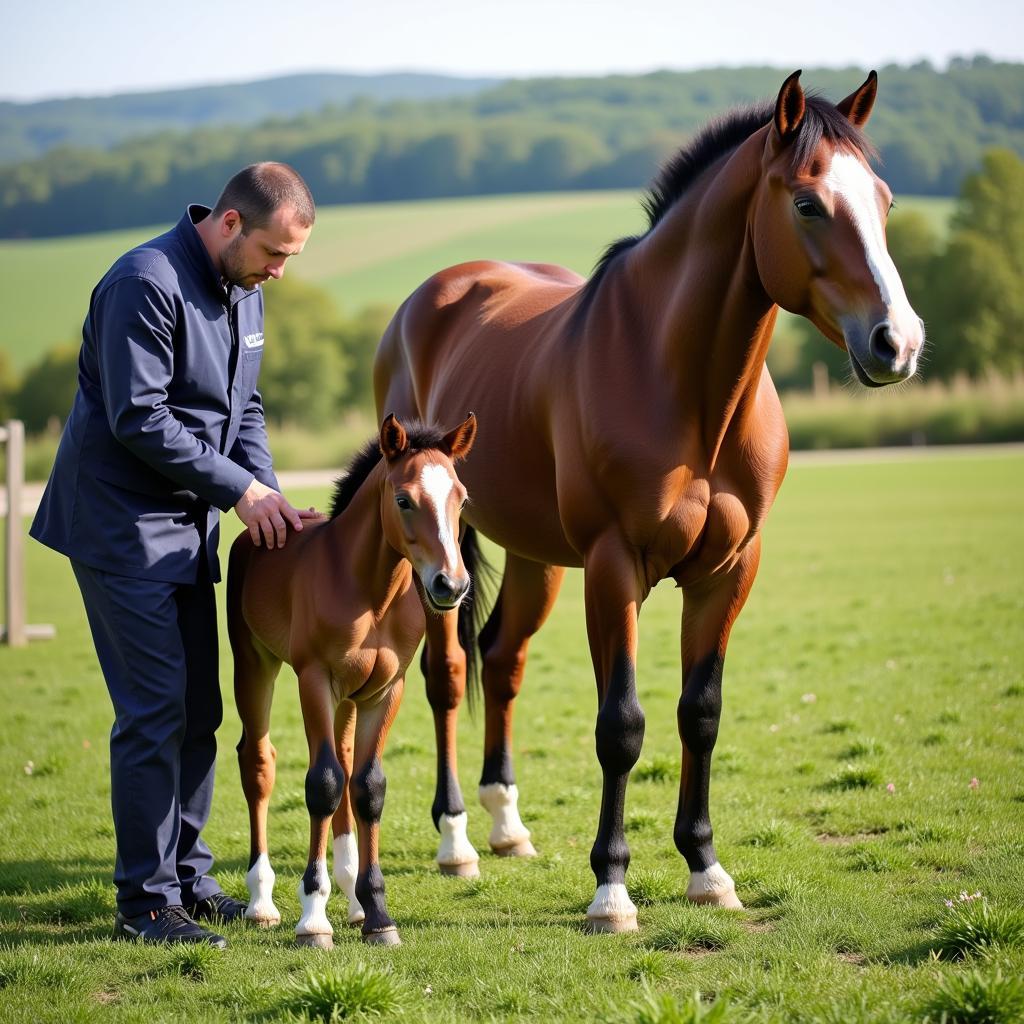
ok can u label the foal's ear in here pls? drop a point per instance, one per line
(789, 108)
(393, 438)
(857, 106)
(460, 440)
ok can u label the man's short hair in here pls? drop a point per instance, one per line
(259, 190)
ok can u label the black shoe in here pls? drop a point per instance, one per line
(168, 924)
(219, 907)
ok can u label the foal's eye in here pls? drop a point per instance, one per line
(403, 503)
(807, 207)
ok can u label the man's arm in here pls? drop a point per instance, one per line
(251, 448)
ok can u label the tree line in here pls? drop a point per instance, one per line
(968, 286)
(522, 136)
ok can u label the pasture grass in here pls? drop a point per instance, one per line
(887, 612)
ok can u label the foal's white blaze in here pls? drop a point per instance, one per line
(313, 919)
(612, 903)
(260, 881)
(346, 868)
(455, 850)
(853, 185)
(437, 484)
(508, 829)
(714, 886)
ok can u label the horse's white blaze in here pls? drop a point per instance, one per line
(437, 484)
(853, 185)
(713, 886)
(455, 848)
(502, 802)
(346, 868)
(612, 903)
(313, 919)
(260, 881)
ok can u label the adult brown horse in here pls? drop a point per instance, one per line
(342, 605)
(630, 427)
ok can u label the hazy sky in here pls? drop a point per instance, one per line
(61, 48)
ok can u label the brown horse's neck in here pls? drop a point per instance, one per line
(709, 317)
(360, 549)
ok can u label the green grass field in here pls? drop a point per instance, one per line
(882, 646)
(363, 255)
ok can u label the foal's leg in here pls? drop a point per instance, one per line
(255, 672)
(368, 787)
(709, 611)
(325, 783)
(444, 668)
(614, 590)
(528, 592)
(346, 851)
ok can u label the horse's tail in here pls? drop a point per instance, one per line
(474, 607)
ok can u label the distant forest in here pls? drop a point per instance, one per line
(931, 126)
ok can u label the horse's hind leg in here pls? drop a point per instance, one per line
(444, 669)
(346, 850)
(368, 787)
(254, 691)
(708, 615)
(528, 592)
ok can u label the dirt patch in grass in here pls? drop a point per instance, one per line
(857, 959)
(842, 839)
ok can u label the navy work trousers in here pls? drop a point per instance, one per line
(157, 647)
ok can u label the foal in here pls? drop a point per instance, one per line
(341, 605)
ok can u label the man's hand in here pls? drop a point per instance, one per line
(268, 515)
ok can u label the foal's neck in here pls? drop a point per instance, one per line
(710, 318)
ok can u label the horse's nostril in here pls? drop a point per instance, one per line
(882, 346)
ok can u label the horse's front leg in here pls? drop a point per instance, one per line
(346, 849)
(709, 610)
(444, 669)
(325, 783)
(614, 590)
(368, 788)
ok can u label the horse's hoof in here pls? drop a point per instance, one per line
(470, 869)
(611, 925)
(356, 919)
(727, 900)
(385, 937)
(264, 922)
(713, 888)
(520, 848)
(318, 940)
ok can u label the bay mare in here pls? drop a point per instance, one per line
(629, 426)
(343, 604)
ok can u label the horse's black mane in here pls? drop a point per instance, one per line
(822, 120)
(422, 437)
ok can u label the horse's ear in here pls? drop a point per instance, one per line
(460, 440)
(393, 438)
(857, 106)
(789, 108)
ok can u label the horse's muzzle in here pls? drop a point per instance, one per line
(887, 355)
(445, 591)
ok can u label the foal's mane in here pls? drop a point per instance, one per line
(822, 120)
(422, 438)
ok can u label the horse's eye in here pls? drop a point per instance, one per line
(403, 503)
(807, 207)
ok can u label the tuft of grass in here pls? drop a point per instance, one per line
(838, 726)
(21, 966)
(664, 1009)
(774, 833)
(192, 961)
(871, 858)
(855, 777)
(329, 994)
(977, 927)
(774, 892)
(652, 885)
(648, 965)
(76, 903)
(641, 822)
(657, 769)
(950, 716)
(977, 998)
(866, 747)
(934, 739)
(1014, 690)
(695, 929)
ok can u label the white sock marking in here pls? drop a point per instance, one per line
(346, 868)
(503, 804)
(437, 484)
(455, 846)
(260, 881)
(713, 886)
(612, 903)
(313, 920)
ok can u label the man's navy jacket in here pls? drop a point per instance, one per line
(167, 425)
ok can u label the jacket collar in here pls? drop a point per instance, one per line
(198, 254)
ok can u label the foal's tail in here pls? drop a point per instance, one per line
(475, 606)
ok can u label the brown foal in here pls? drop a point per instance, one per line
(630, 427)
(341, 604)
